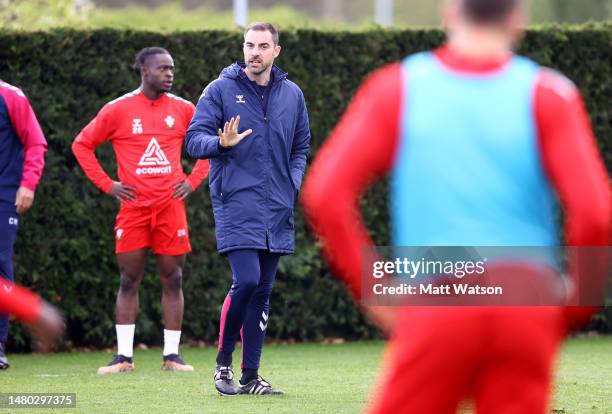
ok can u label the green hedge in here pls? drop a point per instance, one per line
(65, 245)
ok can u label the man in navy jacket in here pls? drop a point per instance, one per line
(252, 124)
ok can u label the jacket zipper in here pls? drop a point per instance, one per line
(265, 113)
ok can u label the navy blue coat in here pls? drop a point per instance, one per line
(254, 185)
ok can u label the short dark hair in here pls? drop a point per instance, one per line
(488, 11)
(141, 57)
(264, 27)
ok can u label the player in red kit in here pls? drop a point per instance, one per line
(146, 128)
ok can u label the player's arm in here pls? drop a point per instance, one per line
(203, 136)
(577, 172)
(359, 151)
(572, 161)
(42, 319)
(199, 171)
(301, 144)
(202, 167)
(193, 181)
(19, 302)
(28, 131)
(92, 136)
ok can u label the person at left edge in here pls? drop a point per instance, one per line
(146, 128)
(22, 159)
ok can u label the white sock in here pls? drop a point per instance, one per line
(125, 340)
(171, 341)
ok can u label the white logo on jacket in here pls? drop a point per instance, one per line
(240, 99)
(13, 221)
(169, 121)
(137, 126)
(154, 160)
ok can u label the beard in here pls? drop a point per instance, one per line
(258, 71)
(164, 88)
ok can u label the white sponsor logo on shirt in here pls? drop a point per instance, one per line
(153, 161)
(240, 99)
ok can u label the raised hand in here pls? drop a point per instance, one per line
(229, 136)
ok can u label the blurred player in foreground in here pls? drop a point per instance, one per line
(147, 128)
(43, 320)
(480, 144)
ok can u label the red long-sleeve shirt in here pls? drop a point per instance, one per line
(147, 137)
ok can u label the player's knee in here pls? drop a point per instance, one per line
(172, 281)
(261, 297)
(264, 290)
(130, 282)
(247, 286)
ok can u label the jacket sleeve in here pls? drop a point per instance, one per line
(31, 136)
(202, 140)
(301, 144)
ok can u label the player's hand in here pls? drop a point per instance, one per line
(122, 192)
(229, 136)
(24, 199)
(47, 329)
(182, 190)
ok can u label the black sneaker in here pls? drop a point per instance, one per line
(4, 363)
(259, 386)
(224, 381)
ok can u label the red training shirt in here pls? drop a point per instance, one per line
(147, 137)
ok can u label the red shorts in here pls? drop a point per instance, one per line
(162, 228)
(501, 358)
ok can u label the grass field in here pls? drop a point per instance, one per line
(317, 378)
